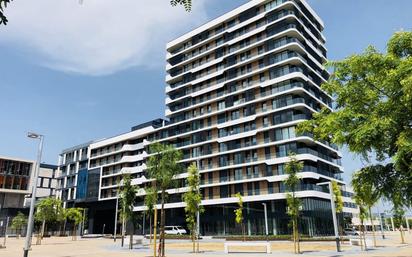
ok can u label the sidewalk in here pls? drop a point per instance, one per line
(100, 247)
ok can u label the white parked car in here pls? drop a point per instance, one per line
(351, 232)
(175, 230)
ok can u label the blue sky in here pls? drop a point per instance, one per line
(82, 72)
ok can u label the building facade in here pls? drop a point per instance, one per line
(237, 87)
(16, 181)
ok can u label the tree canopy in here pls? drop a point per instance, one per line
(49, 210)
(186, 3)
(373, 116)
(3, 5)
(19, 221)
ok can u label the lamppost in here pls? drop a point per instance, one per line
(335, 221)
(198, 213)
(117, 207)
(266, 220)
(380, 221)
(33, 194)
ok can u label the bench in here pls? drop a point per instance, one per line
(357, 242)
(262, 244)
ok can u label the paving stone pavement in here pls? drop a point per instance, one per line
(101, 247)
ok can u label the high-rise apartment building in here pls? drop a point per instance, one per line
(237, 87)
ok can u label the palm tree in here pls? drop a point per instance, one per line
(127, 199)
(150, 201)
(367, 195)
(294, 204)
(163, 166)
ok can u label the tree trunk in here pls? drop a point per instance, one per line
(373, 227)
(297, 236)
(123, 230)
(243, 231)
(131, 238)
(43, 225)
(150, 229)
(360, 237)
(363, 236)
(74, 233)
(193, 238)
(162, 225)
(294, 236)
(64, 228)
(402, 237)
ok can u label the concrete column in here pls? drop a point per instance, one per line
(274, 225)
(249, 232)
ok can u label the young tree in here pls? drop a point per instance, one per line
(127, 199)
(363, 215)
(293, 167)
(163, 166)
(62, 218)
(239, 214)
(337, 195)
(367, 194)
(18, 222)
(193, 198)
(48, 210)
(373, 93)
(150, 201)
(76, 216)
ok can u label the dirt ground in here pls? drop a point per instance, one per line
(101, 247)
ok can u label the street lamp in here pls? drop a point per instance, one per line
(266, 220)
(335, 222)
(117, 207)
(33, 194)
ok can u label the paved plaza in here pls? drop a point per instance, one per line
(102, 247)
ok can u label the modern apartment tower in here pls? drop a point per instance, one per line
(237, 87)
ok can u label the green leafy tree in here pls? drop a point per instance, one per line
(193, 198)
(150, 201)
(163, 166)
(74, 215)
(48, 211)
(373, 115)
(127, 199)
(18, 222)
(239, 213)
(186, 3)
(62, 218)
(367, 194)
(3, 5)
(292, 168)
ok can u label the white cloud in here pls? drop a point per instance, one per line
(99, 36)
